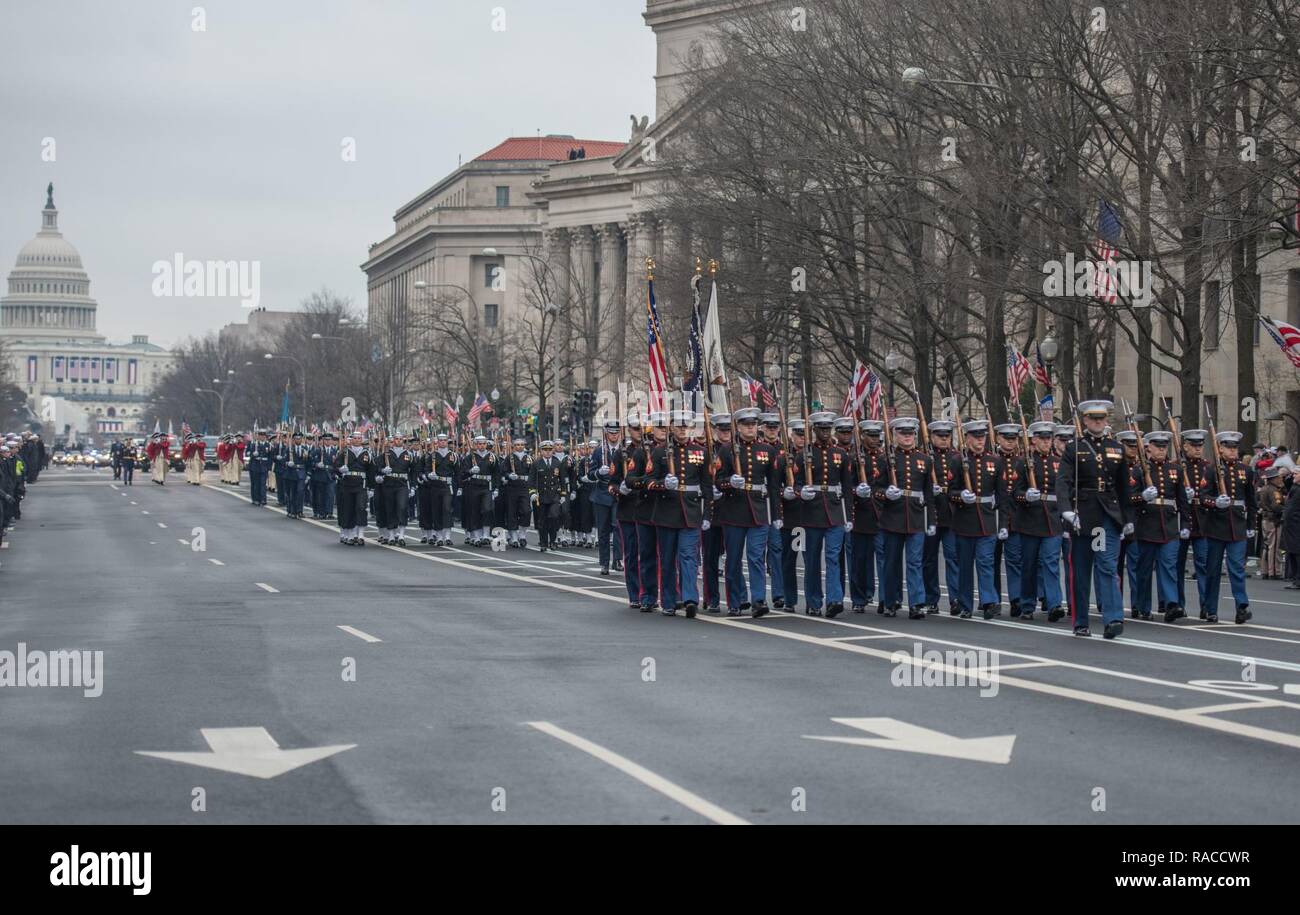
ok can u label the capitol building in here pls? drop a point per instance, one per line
(73, 378)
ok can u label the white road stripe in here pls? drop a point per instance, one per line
(265, 587)
(216, 562)
(1102, 699)
(365, 637)
(160, 524)
(687, 799)
(1233, 707)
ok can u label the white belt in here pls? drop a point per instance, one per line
(486, 478)
(913, 494)
(446, 480)
(986, 500)
(1049, 498)
(1162, 502)
(760, 488)
(694, 487)
(1238, 503)
(355, 473)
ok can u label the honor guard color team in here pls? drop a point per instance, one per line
(732, 511)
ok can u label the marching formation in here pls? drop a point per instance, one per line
(701, 512)
(22, 458)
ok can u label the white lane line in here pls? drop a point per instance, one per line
(215, 562)
(265, 587)
(160, 524)
(113, 486)
(687, 799)
(1102, 699)
(1233, 707)
(182, 540)
(5, 545)
(364, 636)
(861, 638)
(144, 511)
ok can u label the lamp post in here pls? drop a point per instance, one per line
(893, 362)
(221, 406)
(1049, 349)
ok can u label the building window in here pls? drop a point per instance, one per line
(490, 312)
(492, 277)
(503, 196)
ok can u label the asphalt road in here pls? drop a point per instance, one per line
(518, 687)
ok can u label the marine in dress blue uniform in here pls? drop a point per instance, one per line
(906, 496)
(1037, 518)
(1227, 497)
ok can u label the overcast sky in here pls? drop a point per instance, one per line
(225, 144)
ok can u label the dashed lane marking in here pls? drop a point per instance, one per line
(364, 636)
(267, 588)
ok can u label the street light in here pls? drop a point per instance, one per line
(916, 76)
(221, 407)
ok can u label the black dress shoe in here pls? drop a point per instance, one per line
(965, 614)
(916, 613)
(955, 609)
(690, 609)
(778, 603)
(1026, 616)
(1294, 586)
(669, 611)
(1243, 614)
(618, 565)
(991, 610)
(834, 610)
(858, 608)
(1014, 611)
(633, 605)
(1144, 616)
(880, 608)
(713, 609)
(604, 570)
(1211, 617)
(1083, 631)
(1112, 630)
(759, 609)
(648, 608)
(1055, 614)
(1204, 614)
(891, 610)
(733, 611)
(744, 605)
(812, 611)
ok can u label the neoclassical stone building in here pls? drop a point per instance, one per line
(527, 221)
(73, 378)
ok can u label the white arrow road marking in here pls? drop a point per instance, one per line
(687, 799)
(1291, 689)
(899, 735)
(249, 751)
(365, 636)
(265, 587)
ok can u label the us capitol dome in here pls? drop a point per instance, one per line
(75, 381)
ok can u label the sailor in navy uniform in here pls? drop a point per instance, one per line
(293, 463)
(631, 462)
(549, 491)
(1155, 510)
(477, 487)
(1228, 521)
(440, 471)
(394, 489)
(516, 472)
(259, 456)
(1092, 487)
(602, 466)
(352, 466)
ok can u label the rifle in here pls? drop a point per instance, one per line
(925, 434)
(1218, 457)
(1024, 440)
(1178, 441)
(807, 437)
(1078, 441)
(965, 454)
(1142, 456)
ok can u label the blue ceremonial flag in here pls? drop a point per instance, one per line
(284, 405)
(1046, 408)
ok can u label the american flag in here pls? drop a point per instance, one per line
(757, 393)
(1109, 230)
(185, 426)
(449, 414)
(875, 392)
(1017, 371)
(314, 430)
(658, 364)
(859, 388)
(423, 413)
(1287, 337)
(481, 406)
(1042, 374)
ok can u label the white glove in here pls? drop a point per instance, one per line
(1071, 519)
(1032, 495)
(385, 471)
(938, 490)
(968, 497)
(603, 470)
(512, 476)
(737, 481)
(788, 493)
(533, 498)
(717, 494)
(1002, 533)
(778, 524)
(862, 491)
(572, 496)
(1128, 529)
(1184, 534)
(807, 494)
(670, 482)
(321, 465)
(931, 531)
(1250, 535)
(848, 527)
(704, 525)
(1222, 502)
(1189, 492)
(494, 493)
(1149, 494)
(893, 493)
(474, 468)
(459, 491)
(623, 490)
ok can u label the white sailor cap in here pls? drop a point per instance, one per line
(1228, 438)
(1010, 429)
(795, 425)
(634, 419)
(872, 427)
(942, 427)
(547, 444)
(592, 443)
(681, 418)
(975, 427)
(1158, 437)
(904, 424)
(611, 425)
(770, 419)
(1044, 429)
(1195, 436)
(746, 415)
(721, 420)
(1098, 408)
(1128, 437)
(823, 418)
(440, 435)
(480, 439)
(520, 442)
(658, 418)
(1065, 431)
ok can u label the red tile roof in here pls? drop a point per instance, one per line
(554, 149)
